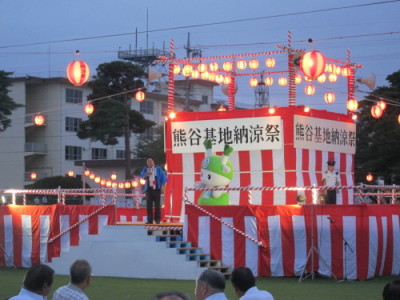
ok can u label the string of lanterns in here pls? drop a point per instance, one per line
(112, 182)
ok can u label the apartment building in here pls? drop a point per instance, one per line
(53, 148)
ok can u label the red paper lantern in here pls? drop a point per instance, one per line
(376, 111)
(86, 173)
(309, 89)
(345, 71)
(97, 179)
(92, 176)
(204, 75)
(312, 64)
(332, 77)
(108, 183)
(330, 97)
(121, 185)
(102, 182)
(127, 185)
(352, 105)
(139, 96)
(39, 120)
(382, 104)
(78, 72)
(89, 108)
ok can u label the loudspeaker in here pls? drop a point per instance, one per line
(296, 59)
(368, 81)
(153, 75)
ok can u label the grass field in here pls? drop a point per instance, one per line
(108, 288)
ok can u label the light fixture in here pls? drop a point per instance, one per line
(376, 111)
(89, 108)
(39, 120)
(227, 66)
(241, 64)
(312, 64)
(352, 105)
(139, 96)
(202, 67)
(270, 62)
(177, 69)
(282, 81)
(309, 90)
(253, 64)
(329, 97)
(253, 82)
(269, 81)
(78, 72)
(213, 67)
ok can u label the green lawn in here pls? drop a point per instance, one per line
(108, 288)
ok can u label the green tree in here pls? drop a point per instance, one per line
(113, 117)
(378, 140)
(147, 147)
(7, 105)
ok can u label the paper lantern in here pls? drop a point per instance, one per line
(102, 182)
(241, 64)
(338, 70)
(214, 67)
(195, 74)
(202, 67)
(253, 63)
(332, 77)
(113, 176)
(369, 177)
(33, 175)
(270, 62)
(204, 75)
(86, 173)
(253, 82)
(329, 97)
(135, 184)
(227, 66)
(89, 108)
(187, 70)
(352, 105)
(309, 90)
(70, 173)
(308, 79)
(78, 72)
(39, 120)
(142, 181)
(376, 111)
(127, 185)
(139, 96)
(219, 78)
(269, 81)
(298, 79)
(321, 78)
(282, 81)
(398, 119)
(212, 76)
(121, 185)
(312, 64)
(382, 104)
(345, 71)
(108, 183)
(97, 179)
(227, 80)
(92, 176)
(177, 69)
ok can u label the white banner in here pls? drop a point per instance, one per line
(259, 133)
(324, 135)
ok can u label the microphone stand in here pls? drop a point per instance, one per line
(345, 245)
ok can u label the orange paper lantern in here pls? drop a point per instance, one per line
(241, 64)
(227, 66)
(369, 177)
(352, 105)
(253, 82)
(253, 63)
(89, 108)
(282, 81)
(309, 89)
(78, 72)
(376, 111)
(177, 69)
(139, 96)
(202, 67)
(269, 81)
(330, 97)
(214, 67)
(270, 62)
(39, 120)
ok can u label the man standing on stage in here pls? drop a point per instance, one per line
(155, 182)
(331, 178)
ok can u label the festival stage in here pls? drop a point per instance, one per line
(345, 241)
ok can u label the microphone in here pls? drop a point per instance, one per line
(330, 219)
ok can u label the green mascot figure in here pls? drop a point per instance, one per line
(216, 171)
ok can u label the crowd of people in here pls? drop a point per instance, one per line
(210, 285)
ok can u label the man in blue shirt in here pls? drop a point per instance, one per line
(155, 183)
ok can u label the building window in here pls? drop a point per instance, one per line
(99, 153)
(204, 99)
(73, 153)
(148, 133)
(164, 109)
(120, 154)
(73, 96)
(72, 124)
(147, 107)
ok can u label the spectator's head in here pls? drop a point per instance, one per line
(209, 282)
(150, 162)
(242, 279)
(38, 279)
(171, 295)
(80, 272)
(391, 291)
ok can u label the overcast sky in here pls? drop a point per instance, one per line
(31, 33)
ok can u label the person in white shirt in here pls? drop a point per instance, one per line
(37, 283)
(80, 277)
(331, 178)
(210, 285)
(244, 284)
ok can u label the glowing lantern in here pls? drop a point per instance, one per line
(214, 67)
(212, 76)
(92, 176)
(221, 108)
(195, 74)
(306, 109)
(369, 177)
(270, 62)
(332, 77)
(382, 104)
(114, 184)
(309, 89)
(271, 110)
(219, 78)
(398, 119)
(39, 120)
(330, 97)
(113, 176)
(338, 70)
(321, 78)
(108, 183)
(187, 70)
(121, 185)
(89, 108)
(269, 81)
(227, 80)
(86, 172)
(376, 111)
(253, 82)
(139, 96)
(308, 79)
(227, 66)
(103, 182)
(33, 175)
(78, 72)
(312, 64)
(354, 117)
(352, 105)
(328, 67)
(172, 115)
(204, 75)
(241, 64)
(97, 179)
(282, 81)
(135, 184)
(70, 173)
(202, 67)
(345, 72)
(298, 79)
(142, 181)
(253, 63)
(177, 69)
(127, 185)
